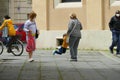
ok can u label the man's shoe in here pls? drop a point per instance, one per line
(117, 53)
(111, 50)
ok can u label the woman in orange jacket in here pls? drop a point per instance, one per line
(11, 30)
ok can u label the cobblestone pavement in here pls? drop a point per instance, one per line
(91, 65)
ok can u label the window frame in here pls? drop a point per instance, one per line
(59, 4)
(114, 2)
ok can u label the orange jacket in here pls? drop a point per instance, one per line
(64, 44)
(8, 23)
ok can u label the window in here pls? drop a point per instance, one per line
(112, 1)
(67, 3)
(115, 2)
(71, 1)
(29, 1)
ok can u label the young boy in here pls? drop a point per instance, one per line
(63, 48)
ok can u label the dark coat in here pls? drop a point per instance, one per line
(114, 23)
(77, 30)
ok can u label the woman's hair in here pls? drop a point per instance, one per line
(32, 15)
(65, 34)
(73, 16)
(6, 17)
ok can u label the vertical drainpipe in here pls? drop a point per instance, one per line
(103, 14)
(47, 14)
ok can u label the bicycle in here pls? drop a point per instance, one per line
(16, 46)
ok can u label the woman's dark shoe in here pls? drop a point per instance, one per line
(9, 51)
(73, 60)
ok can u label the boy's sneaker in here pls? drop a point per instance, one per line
(53, 52)
(30, 60)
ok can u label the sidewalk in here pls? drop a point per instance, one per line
(91, 65)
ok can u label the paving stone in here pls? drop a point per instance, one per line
(71, 75)
(91, 74)
(46, 75)
(91, 65)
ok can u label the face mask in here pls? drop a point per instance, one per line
(117, 15)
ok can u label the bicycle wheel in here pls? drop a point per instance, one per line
(17, 48)
(1, 47)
